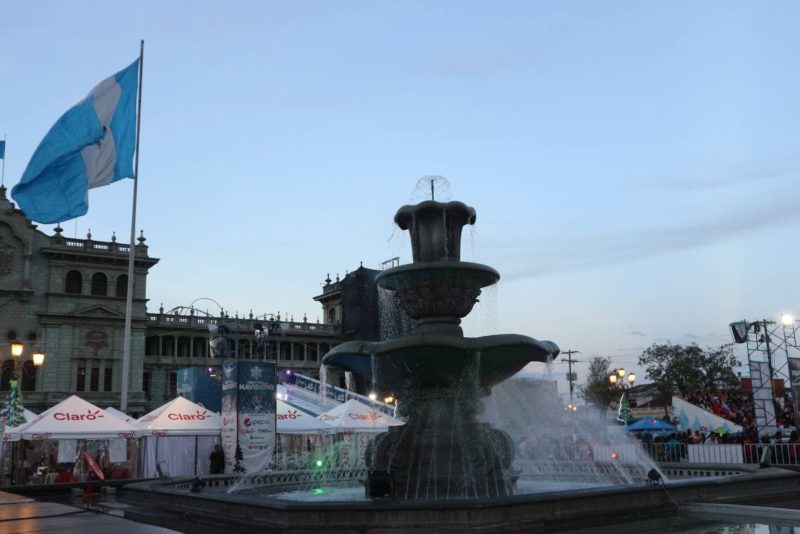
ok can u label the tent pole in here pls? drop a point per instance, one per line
(195, 455)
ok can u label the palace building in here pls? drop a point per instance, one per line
(66, 298)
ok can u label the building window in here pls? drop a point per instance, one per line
(184, 346)
(28, 376)
(80, 384)
(146, 383)
(73, 282)
(108, 375)
(94, 378)
(99, 284)
(151, 346)
(122, 285)
(332, 316)
(172, 387)
(6, 374)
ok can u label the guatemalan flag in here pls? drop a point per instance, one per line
(91, 145)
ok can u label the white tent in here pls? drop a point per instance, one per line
(181, 417)
(291, 420)
(179, 437)
(72, 418)
(122, 415)
(354, 416)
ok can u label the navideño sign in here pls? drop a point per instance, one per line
(73, 418)
(180, 417)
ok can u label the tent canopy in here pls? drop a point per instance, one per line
(180, 417)
(355, 416)
(291, 420)
(650, 424)
(73, 418)
(122, 415)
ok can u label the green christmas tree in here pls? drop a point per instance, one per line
(624, 413)
(13, 410)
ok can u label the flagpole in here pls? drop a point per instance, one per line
(3, 176)
(126, 349)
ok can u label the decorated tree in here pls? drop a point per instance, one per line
(13, 410)
(624, 411)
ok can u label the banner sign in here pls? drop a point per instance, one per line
(197, 385)
(794, 380)
(228, 413)
(763, 404)
(248, 413)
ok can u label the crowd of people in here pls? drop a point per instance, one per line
(737, 407)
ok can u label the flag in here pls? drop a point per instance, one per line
(2, 149)
(91, 145)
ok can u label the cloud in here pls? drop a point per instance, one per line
(586, 252)
(637, 333)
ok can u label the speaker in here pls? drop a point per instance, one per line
(739, 330)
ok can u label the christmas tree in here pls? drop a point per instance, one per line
(624, 413)
(13, 410)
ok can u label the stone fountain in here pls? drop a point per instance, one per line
(438, 375)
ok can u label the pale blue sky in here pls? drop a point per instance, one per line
(634, 165)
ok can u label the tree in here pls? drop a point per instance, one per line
(689, 369)
(598, 390)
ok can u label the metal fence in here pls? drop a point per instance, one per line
(708, 453)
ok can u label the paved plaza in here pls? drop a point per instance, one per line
(23, 515)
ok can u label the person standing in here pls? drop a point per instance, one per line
(217, 460)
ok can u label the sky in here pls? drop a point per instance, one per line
(634, 165)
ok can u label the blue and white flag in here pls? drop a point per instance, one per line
(91, 145)
(2, 149)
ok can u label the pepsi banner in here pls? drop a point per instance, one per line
(248, 415)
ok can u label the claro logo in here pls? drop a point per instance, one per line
(88, 416)
(371, 416)
(197, 416)
(290, 414)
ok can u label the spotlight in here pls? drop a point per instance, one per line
(654, 477)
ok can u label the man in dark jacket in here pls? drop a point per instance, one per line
(217, 460)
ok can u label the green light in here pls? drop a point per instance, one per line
(319, 463)
(318, 491)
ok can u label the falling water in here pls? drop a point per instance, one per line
(323, 386)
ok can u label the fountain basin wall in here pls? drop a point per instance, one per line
(175, 505)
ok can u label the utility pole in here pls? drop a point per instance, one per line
(570, 376)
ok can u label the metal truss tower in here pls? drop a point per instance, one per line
(772, 354)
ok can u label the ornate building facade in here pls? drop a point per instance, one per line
(66, 298)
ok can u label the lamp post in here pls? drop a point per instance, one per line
(13, 408)
(624, 380)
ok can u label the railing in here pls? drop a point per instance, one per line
(313, 386)
(96, 245)
(241, 325)
(708, 453)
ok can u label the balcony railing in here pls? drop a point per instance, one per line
(241, 325)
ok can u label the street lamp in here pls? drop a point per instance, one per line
(16, 349)
(618, 377)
